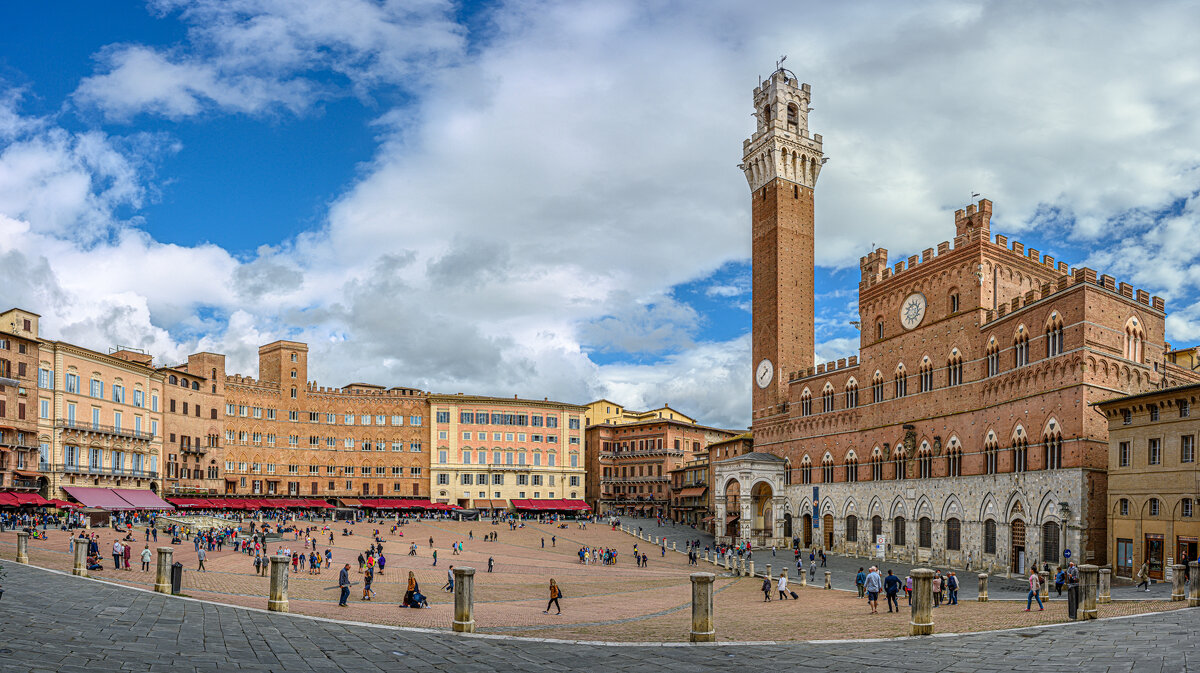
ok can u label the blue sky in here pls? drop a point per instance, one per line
(541, 198)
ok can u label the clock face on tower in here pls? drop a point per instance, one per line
(912, 311)
(764, 373)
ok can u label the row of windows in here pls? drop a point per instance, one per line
(1154, 451)
(499, 418)
(953, 531)
(481, 456)
(348, 470)
(96, 389)
(1154, 507)
(1052, 455)
(293, 487)
(470, 479)
(99, 458)
(646, 445)
(508, 437)
(1182, 406)
(118, 417)
(257, 439)
(247, 411)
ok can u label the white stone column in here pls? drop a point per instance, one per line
(162, 571)
(1089, 578)
(80, 566)
(746, 525)
(1178, 590)
(1104, 593)
(1194, 584)
(277, 601)
(464, 599)
(982, 597)
(922, 602)
(22, 547)
(703, 627)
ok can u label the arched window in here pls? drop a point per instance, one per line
(876, 527)
(898, 531)
(924, 532)
(1134, 338)
(827, 399)
(851, 469)
(1050, 533)
(787, 472)
(993, 358)
(851, 528)
(183, 383)
(926, 377)
(954, 302)
(925, 463)
(195, 385)
(901, 382)
(1053, 445)
(898, 464)
(851, 394)
(879, 329)
(954, 460)
(877, 465)
(954, 369)
(953, 534)
(793, 117)
(991, 456)
(1054, 336)
(877, 388)
(766, 112)
(173, 379)
(989, 536)
(1020, 454)
(1153, 506)
(827, 470)
(806, 403)
(1021, 348)
(806, 470)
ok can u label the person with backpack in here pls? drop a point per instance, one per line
(860, 581)
(1060, 578)
(555, 594)
(952, 588)
(766, 589)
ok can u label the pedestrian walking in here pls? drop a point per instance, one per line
(873, 584)
(117, 552)
(344, 585)
(1035, 582)
(1144, 576)
(201, 555)
(952, 588)
(766, 589)
(555, 594)
(783, 586)
(891, 587)
(146, 559)
(860, 581)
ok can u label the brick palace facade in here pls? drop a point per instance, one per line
(962, 428)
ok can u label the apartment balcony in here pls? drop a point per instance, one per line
(195, 450)
(632, 480)
(96, 428)
(91, 471)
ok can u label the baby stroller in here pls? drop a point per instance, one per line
(418, 600)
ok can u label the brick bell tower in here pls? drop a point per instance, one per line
(781, 161)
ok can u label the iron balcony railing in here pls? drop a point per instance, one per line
(100, 470)
(102, 429)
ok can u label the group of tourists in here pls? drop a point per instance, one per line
(602, 555)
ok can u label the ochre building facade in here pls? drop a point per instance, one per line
(19, 470)
(1153, 480)
(962, 429)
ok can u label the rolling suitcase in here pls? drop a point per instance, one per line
(795, 596)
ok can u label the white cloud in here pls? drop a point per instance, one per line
(549, 185)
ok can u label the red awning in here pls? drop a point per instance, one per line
(693, 492)
(552, 505)
(29, 499)
(7, 500)
(103, 498)
(142, 499)
(63, 504)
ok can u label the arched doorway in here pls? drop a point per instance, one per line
(1018, 545)
(761, 496)
(876, 528)
(787, 525)
(807, 521)
(827, 529)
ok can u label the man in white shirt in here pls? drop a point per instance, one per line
(783, 588)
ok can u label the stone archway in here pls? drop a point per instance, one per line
(761, 498)
(806, 521)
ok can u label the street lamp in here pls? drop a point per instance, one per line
(1064, 511)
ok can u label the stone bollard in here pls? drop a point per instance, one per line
(741, 566)
(703, 628)
(1044, 589)
(1178, 592)
(750, 569)
(922, 602)
(673, 548)
(1089, 577)
(1104, 592)
(464, 599)
(277, 600)
(828, 584)
(728, 562)
(768, 572)
(22, 547)
(983, 582)
(80, 567)
(1194, 584)
(162, 572)
(803, 578)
